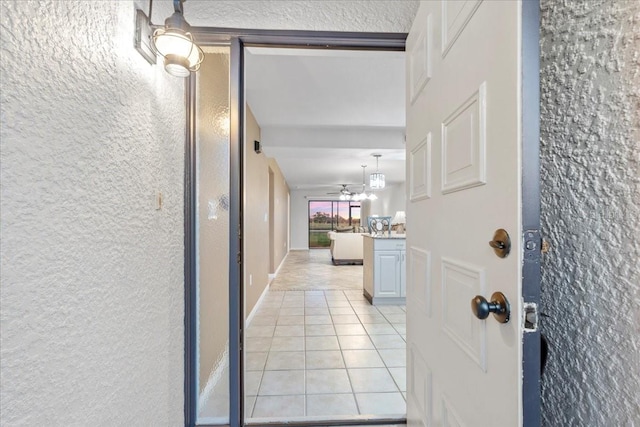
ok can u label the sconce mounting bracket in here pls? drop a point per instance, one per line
(142, 40)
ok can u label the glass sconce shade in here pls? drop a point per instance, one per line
(181, 54)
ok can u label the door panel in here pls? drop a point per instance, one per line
(419, 386)
(212, 225)
(418, 270)
(463, 145)
(464, 139)
(455, 16)
(460, 280)
(420, 170)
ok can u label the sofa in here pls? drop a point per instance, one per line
(346, 248)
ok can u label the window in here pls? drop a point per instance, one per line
(325, 216)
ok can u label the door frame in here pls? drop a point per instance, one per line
(531, 237)
(237, 40)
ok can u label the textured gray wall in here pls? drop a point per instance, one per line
(590, 117)
(91, 307)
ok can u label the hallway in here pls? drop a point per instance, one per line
(325, 354)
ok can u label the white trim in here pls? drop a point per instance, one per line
(275, 274)
(257, 304)
(298, 249)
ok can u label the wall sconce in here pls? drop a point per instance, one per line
(173, 41)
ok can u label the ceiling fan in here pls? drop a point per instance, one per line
(344, 191)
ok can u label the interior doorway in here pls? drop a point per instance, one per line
(315, 349)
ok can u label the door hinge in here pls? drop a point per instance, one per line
(238, 258)
(530, 314)
(241, 334)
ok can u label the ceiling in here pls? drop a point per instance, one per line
(323, 113)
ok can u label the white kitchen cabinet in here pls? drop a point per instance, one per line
(384, 264)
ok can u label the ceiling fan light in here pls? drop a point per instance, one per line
(372, 197)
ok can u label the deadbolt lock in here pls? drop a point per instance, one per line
(501, 243)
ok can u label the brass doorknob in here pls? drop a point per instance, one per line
(499, 306)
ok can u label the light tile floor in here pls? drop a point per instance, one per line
(313, 270)
(325, 353)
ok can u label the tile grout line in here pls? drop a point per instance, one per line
(304, 352)
(378, 352)
(346, 370)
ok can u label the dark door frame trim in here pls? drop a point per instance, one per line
(530, 50)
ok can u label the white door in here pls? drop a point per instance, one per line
(464, 178)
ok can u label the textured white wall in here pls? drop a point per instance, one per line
(92, 275)
(317, 15)
(590, 116)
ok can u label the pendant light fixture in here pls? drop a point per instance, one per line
(364, 195)
(376, 180)
(173, 42)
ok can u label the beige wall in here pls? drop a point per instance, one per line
(212, 218)
(257, 217)
(281, 215)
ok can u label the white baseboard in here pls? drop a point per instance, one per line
(281, 263)
(298, 249)
(255, 307)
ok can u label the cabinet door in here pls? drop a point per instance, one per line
(387, 274)
(403, 274)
